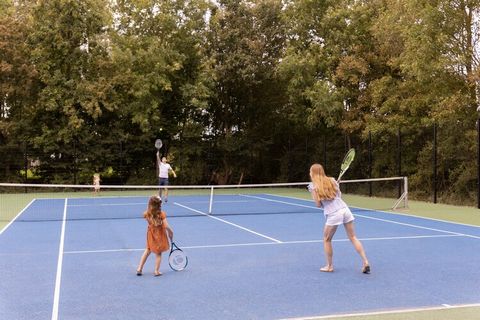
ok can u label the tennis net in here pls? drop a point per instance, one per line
(37, 202)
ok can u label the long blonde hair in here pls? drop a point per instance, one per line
(324, 187)
(154, 211)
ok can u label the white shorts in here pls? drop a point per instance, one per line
(339, 217)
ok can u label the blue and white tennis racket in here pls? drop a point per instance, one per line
(177, 259)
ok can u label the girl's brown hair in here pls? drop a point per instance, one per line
(325, 187)
(154, 211)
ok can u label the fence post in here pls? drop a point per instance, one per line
(325, 152)
(478, 159)
(434, 162)
(399, 161)
(74, 160)
(370, 163)
(25, 163)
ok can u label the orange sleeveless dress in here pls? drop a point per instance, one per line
(157, 240)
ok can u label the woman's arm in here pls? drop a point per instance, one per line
(315, 198)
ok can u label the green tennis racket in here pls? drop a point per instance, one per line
(347, 160)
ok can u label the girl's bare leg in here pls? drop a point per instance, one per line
(349, 228)
(328, 233)
(158, 260)
(143, 259)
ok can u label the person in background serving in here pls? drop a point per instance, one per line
(164, 169)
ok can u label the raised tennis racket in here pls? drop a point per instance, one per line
(346, 162)
(177, 259)
(158, 144)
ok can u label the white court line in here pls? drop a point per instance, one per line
(13, 220)
(372, 218)
(56, 296)
(278, 201)
(379, 313)
(217, 201)
(227, 222)
(417, 226)
(107, 204)
(101, 197)
(266, 243)
(93, 204)
(388, 212)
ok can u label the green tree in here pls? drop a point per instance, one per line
(160, 79)
(430, 49)
(19, 85)
(327, 70)
(69, 49)
(246, 44)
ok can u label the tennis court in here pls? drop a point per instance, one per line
(257, 257)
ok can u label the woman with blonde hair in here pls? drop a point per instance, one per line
(157, 241)
(326, 194)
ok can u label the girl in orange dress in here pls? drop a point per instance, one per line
(157, 241)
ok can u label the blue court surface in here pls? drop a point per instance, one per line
(258, 257)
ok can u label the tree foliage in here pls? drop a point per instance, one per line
(240, 91)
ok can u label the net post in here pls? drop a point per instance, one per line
(211, 200)
(404, 196)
